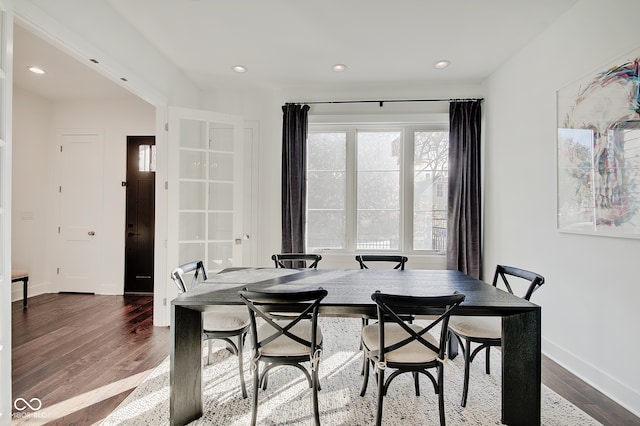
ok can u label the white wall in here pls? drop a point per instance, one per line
(36, 121)
(589, 302)
(31, 133)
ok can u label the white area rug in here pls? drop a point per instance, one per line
(287, 401)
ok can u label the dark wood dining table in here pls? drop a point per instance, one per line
(349, 294)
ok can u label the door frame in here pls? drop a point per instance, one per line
(6, 96)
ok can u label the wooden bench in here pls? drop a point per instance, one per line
(21, 275)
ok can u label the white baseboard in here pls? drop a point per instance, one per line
(32, 290)
(619, 392)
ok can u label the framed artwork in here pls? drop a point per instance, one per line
(599, 152)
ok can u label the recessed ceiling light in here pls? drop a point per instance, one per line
(239, 69)
(36, 70)
(441, 64)
(339, 67)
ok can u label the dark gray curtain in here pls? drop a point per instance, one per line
(294, 177)
(463, 208)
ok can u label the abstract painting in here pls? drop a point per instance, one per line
(599, 152)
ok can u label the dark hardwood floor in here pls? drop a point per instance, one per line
(81, 355)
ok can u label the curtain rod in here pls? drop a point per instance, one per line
(381, 103)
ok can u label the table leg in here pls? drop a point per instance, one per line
(185, 403)
(521, 368)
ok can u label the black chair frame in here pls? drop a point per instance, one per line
(293, 260)
(398, 259)
(197, 267)
(390, 309)
(502, 272)
(290, 308)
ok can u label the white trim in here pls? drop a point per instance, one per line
(162, 281)
(6, 93)
(594, 376)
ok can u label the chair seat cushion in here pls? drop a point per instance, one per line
(225, 318)
(414, 352)
(284, 346)
(479, 327)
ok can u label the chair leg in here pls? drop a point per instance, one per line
(240, 365)
(416, 381)
(209, 351)
(254, 403)
(364, 361)
(380, 377)
(465, 386)
(265, 381)
(365, 380)
(316, 387)
(441, 394)
(488, 360)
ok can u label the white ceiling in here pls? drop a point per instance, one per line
(295, 42)
(66, 78)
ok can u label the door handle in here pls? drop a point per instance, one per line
(91, 233)
(131, 234)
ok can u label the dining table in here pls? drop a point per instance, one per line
(349, 294)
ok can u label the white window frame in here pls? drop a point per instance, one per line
(407, 125)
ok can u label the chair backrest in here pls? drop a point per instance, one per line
(296, 260)
(178, 274)
(391, 308)
(294, 306)
(398, 260)
(535, 280)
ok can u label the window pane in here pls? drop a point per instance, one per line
(326, 190)
(326, 229)
(147, 158)
(431, 150)
(378, 230)
(378, 190)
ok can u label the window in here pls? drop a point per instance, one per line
(147, 158)
(377, 188)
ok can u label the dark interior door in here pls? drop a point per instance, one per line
(140, 220)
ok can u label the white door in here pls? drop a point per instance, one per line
(80, 195)
(205, 189)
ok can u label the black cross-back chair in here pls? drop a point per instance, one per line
(398, 260)
(219, 323)
(408, 348)
(284, 331)
(296, 260)
(487, 331)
